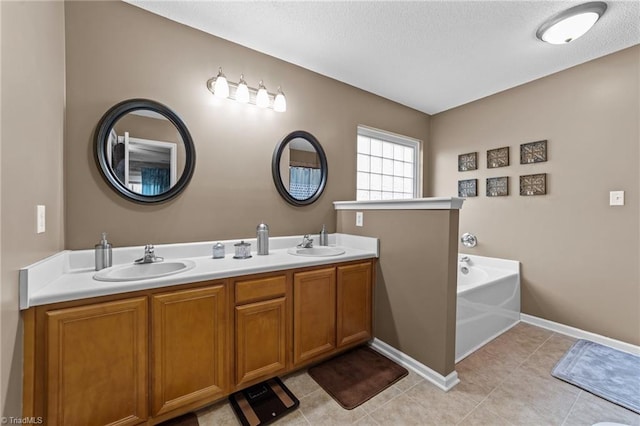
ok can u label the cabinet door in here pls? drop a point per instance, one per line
(97, 364)
(314, 320)
(354, 303)
(260, 339)
(189, 341)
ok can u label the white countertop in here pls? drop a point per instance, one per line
(68, 275)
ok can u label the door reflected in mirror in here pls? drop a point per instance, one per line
(146, 152)
(299, 168)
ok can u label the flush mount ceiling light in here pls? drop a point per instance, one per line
(240, 92)
(572, 23)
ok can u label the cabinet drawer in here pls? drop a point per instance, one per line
(260, 289)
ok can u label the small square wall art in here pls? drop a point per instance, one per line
(468, 162)
(533, 184)
(498, 157)
(498, 186)
(533, 152)
(468, 188)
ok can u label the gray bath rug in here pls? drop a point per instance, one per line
(603, 371)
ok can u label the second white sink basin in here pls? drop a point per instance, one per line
(316, 251)
(144, 271)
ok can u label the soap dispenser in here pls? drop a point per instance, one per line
(103, 253)
(324, 237)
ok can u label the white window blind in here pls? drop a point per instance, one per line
(388, 165)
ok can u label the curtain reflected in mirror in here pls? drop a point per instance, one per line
(303, 182)
(304, 169)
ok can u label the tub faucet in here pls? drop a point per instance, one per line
(465, 259)
(149, 255)
(306, 242)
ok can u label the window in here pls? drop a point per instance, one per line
(388, 165)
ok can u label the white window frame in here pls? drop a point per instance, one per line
(395, 138)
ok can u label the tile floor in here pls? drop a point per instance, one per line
(507, 382)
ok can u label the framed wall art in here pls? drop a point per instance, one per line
(533, 152)
(468, 162)
(468, 188)
(533, 184)
(498, 186)
(498, 157)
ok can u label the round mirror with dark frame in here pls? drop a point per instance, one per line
(144, 151)
(299, 168)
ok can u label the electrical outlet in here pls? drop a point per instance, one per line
(616, 198)
(359, 219)
(40, 219)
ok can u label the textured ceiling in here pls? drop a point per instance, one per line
(428, 55)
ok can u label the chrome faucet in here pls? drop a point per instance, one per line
(149, 255)
(468, 240)
(306, 242)
(464, 264)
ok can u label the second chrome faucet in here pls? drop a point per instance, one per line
(149, 255)
(306, 242)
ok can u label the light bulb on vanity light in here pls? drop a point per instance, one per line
(280, 102)
(262, 98)
(242, 91)
(221, 86)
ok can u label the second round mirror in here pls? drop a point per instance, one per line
(299, 168)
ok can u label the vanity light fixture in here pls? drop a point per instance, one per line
(262, 98)
(241, 92)
(280, 102)
(221, 85)
(572, 23)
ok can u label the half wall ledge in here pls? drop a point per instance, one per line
(431, 203)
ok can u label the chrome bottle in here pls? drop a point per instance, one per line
(262, 235)
(103, 253)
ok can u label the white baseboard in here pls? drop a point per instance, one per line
(580, 334)
(444, 383)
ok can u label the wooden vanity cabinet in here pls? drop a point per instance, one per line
(150, 355)
(189, 345)
(354, 303)
(332, 310)
(261, 328)
(314, 314)
(96, 364)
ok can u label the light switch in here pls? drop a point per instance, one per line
(616, 198)
(359, 219)
(40, 219)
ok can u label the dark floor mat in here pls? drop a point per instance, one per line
(357, 376)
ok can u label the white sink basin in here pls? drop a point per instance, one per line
(144, 271)
(316, 251)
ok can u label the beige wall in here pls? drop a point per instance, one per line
(31, 163)
(116, 51)
(415, 291)
(579, 256)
